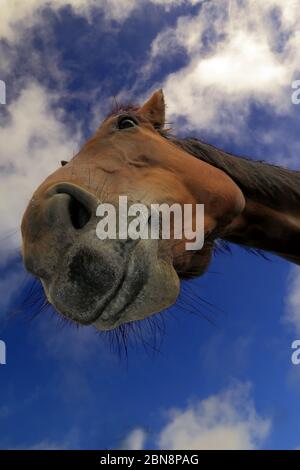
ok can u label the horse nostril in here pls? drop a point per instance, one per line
(76, 201)
(79, 214)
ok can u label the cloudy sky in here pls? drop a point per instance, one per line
(226, 68)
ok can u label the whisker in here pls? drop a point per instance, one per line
(198, 313)
(198, 298)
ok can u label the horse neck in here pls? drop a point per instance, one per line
(271, 218)
(265, 228)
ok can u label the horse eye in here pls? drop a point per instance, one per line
(126, 122)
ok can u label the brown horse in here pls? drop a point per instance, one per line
(110, 282)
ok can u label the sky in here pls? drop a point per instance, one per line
(203, 376)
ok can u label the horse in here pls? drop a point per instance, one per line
(110, 282)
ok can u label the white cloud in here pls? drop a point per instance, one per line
(135, 440)
(237, 52)
(171, 3)
(227, 420)
(15, 12)
(32, 143)
(292, 314)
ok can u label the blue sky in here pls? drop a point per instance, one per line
(226, 70)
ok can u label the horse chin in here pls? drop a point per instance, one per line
(159, 292)
(145, 284)
(144, 291)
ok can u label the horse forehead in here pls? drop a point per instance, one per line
(116, 155)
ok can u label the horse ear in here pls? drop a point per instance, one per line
(154, 109)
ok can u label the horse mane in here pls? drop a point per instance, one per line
(274, 185)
